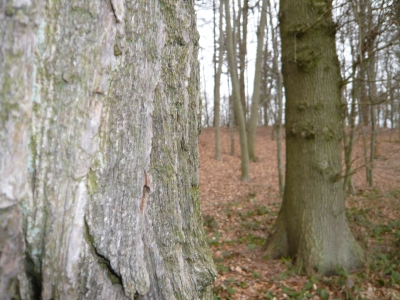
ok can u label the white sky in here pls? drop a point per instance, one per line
(205, 25)
(204, 9)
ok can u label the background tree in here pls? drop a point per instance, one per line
(217, 81)
(241, 28)
(277, 76)
(266, 90)
(107, 125)
(311, 225)
(367, 31)
(255, 102)
(236, 95)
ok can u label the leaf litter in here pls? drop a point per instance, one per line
(238, 216)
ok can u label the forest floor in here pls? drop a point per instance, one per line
(238, 216)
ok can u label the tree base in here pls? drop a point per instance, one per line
(311, 258)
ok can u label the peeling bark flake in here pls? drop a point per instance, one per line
(146, 191)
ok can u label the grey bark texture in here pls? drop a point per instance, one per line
(311, 226)
(17, 55)
(99, 186)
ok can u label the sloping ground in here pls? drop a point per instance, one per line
(238, 216)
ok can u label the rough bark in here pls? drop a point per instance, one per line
(113, 205)
(312, 226)
(17, 54)
(244, 153)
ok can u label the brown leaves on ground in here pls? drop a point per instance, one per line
(238, 215)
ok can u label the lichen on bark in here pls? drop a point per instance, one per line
(113, 209)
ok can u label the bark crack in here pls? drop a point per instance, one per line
(114, 12)
(103, 261)
(35, 278)
(146, 191)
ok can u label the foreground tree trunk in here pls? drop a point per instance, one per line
(312, 226)
(17, 56)
(108, 206)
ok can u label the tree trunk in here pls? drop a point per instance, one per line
(217, 97)
(205, 99)
(244, 153)
(231, 126)
(360, 10)
(372, 97)
(312, 226)
(242, 40)
(266, 86)
(17, 73)
(279, 110)
(255, 102)
(371, 75)
(363, 100)
(113, 205)
(349, 141)
(265, 109)
(349, 128)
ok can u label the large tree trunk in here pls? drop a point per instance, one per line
(17, 56)
(312, 225)
(110, 208)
